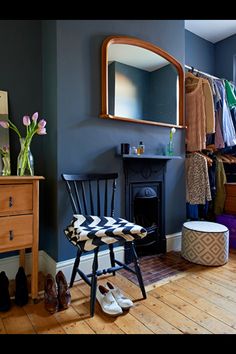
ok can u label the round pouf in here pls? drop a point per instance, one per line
(205, 242)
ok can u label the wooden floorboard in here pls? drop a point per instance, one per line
(201, 301)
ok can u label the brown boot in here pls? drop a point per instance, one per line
(50, 294)
(64, 296)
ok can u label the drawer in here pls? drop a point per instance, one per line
(230, 205)
(16, 199)
(230, 189)
(15, 231)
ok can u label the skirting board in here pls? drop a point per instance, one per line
(47, 264)
(173, 242)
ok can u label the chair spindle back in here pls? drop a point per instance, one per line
(92, 194)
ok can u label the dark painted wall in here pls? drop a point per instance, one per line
(49, 238)
(163, 94)
(55, 70)
(87, 143)
(199, 53)
(21, 76)
(225, 51)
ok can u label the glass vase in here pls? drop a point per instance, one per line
(170, 148)
(6, 168)
(25, 160)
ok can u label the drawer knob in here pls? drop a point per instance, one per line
(10, 202)
(11, 235)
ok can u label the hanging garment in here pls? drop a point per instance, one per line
(209, 107)
(231, 98)
(195, 113)
(219, 201)
(197, 179)
(228, 130)
(217, 97)
(219, 140)
(209, 92)
(233, 115)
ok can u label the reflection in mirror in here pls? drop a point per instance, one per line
(4, 133)
(141, 83)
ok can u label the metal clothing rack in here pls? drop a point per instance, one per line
(201, 72)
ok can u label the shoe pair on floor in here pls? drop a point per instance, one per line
(21, 293)
(5, 301)
(111, 299)
(56, 297)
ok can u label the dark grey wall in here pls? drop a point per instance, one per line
(64, 68)
(86, 142)
(225, 51)
(21, 77)
(49, 239)
(199, 53)
(163, 94)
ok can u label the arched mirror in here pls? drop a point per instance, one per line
(141, 83)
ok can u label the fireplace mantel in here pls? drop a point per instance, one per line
(150, 156)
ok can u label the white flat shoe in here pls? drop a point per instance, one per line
(123, 301)
(107, 301)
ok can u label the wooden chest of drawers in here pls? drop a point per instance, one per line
(19, 220)
(230, 202)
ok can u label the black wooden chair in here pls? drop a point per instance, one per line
(94, 194)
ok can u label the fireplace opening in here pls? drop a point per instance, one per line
(146, 208)
(146, 211)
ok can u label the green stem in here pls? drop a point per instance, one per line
(24, 162)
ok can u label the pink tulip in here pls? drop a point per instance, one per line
(41, 131)
(35, 117)
(42, 123)
(26, 120)
(4, 124)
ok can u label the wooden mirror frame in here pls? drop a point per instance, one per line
(146, 45)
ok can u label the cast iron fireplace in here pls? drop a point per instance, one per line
(145, 201)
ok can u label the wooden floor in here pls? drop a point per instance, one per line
(201, 300)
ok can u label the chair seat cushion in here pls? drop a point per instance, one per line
(95, 231)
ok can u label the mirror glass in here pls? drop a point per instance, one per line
(4, 133)
(141, 83)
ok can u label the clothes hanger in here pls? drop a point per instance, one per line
(208, 159)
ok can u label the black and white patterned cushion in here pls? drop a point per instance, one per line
(96, 231)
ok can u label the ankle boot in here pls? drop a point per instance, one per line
(64, 296)
(5, 301)
(21, 295)
(50, 294)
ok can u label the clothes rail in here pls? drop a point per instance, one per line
(201, 72)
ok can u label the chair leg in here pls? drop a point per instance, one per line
(94, 282)
(112, 257)
(75, 267)
(138, 271)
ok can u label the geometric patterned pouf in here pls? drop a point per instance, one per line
(205, 243)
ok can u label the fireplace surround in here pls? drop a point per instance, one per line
(145, 200)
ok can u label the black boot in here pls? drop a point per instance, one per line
(22, 295)
(5, 301)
